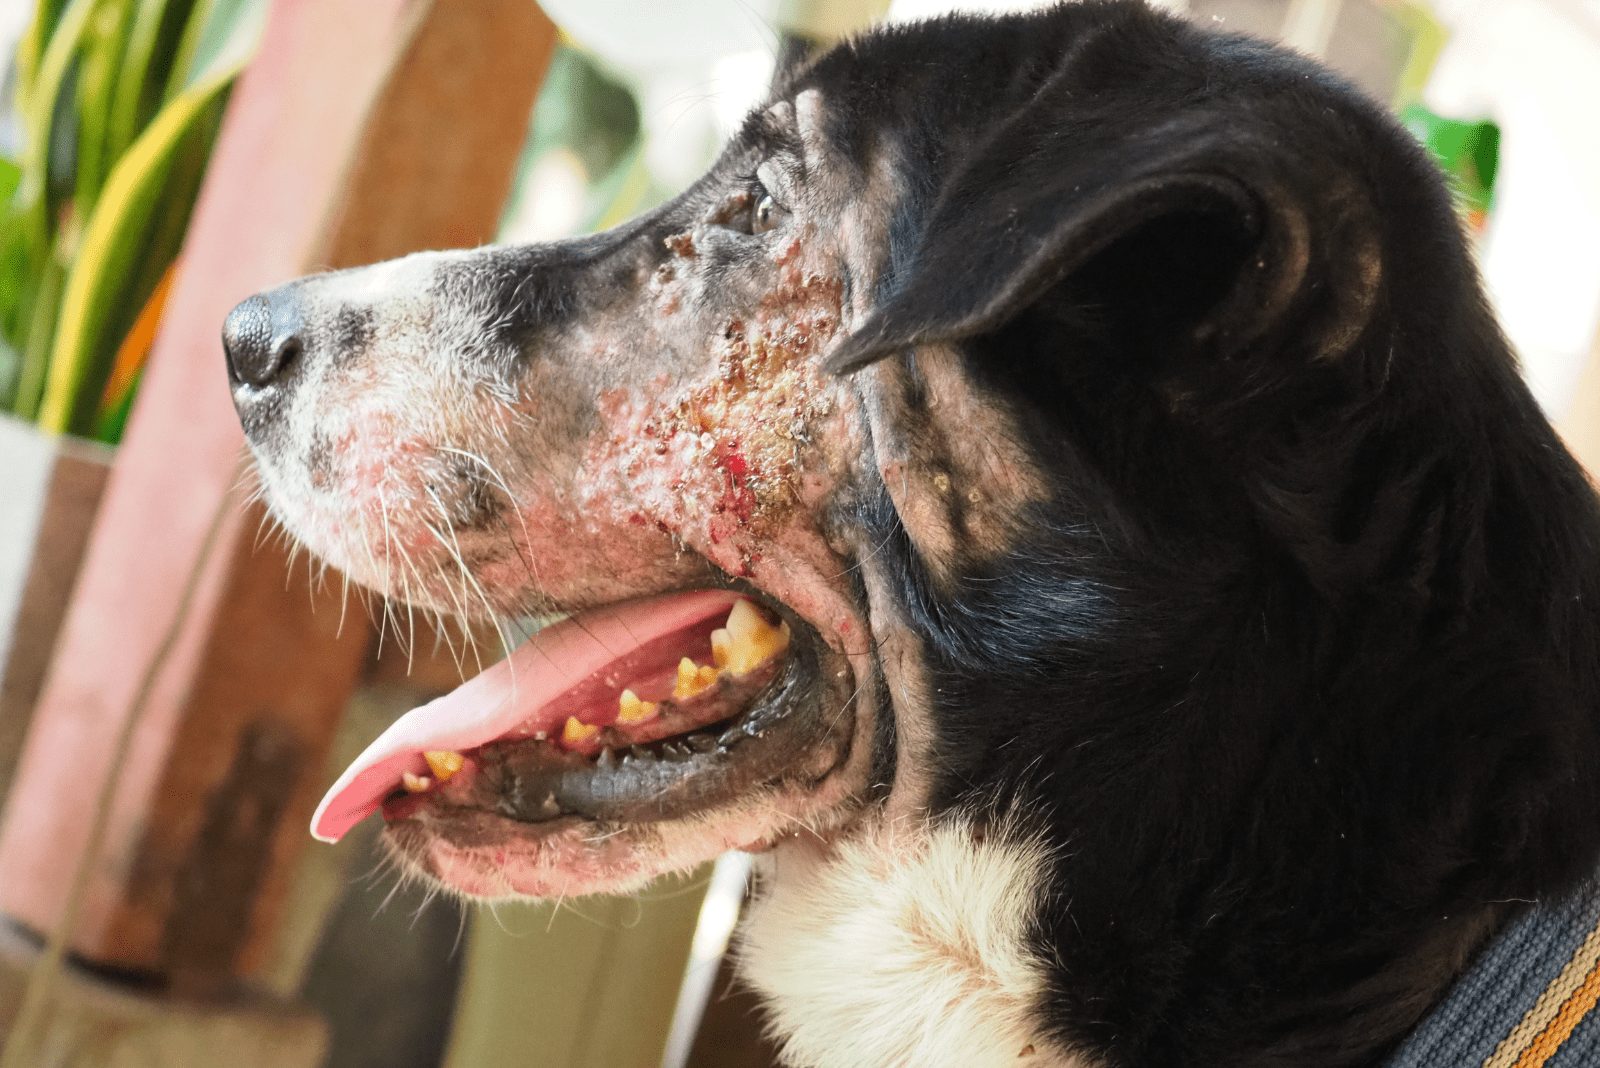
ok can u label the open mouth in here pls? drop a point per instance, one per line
(646, 710)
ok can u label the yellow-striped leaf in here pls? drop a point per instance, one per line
(115, 245)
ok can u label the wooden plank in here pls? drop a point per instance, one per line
(97, 1023)
(51, 487)
(1581, 424)
(223, 770)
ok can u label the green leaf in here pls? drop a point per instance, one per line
(153, 36)
(116, 254)
(105, 39)
(30, 51)
(46, 165)
(10, 176)
(114, 420)
(219, 35)
(41, 330)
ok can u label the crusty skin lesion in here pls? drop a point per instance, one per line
(670, 399)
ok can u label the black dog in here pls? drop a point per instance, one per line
(1165, 628)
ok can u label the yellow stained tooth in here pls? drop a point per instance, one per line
(745, 621)
(692, 679)
(632, 710)
(752, 641)
(576, 732)
(443, 763)
(415, 784)
(721, 647)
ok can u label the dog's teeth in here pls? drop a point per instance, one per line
(549, 808)
(640, 753)
(631, 710)
(701, 743)
(575, 732)
(415, 784)
(444, 763)
(748, 641)
(744, 621)
(607, 759)
(693, 679)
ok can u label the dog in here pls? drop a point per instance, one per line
(1053, 489)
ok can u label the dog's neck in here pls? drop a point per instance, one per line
(904, 945)
(907, 945)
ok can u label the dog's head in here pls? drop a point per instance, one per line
(1044, 406)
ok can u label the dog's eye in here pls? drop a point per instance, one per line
(767, 214)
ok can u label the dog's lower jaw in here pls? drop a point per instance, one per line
(905, 944)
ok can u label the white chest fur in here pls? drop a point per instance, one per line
(903, 947)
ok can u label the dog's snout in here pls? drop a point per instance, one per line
(262, 339)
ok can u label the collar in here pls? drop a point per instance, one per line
(1526, 1001)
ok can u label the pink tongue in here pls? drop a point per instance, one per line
(509, 694)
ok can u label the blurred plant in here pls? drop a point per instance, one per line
(585, 139)
(119, 102)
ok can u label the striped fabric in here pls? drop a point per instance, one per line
(1527, 1001)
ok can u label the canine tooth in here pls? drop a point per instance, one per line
(444, 763)
(701, 743)
(751, 641)
(607, 759)
(549, 808)
(632, 710)
(576, 732)
(744, 621)
(415, 784)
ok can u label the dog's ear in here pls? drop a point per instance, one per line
(1182, 237)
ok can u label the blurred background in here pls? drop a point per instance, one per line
(170, 708)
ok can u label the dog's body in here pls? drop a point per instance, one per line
(1197, 620)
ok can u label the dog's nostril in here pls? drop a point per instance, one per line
(288, 352)
(261, 340)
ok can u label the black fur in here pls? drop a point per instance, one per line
(1301, 655)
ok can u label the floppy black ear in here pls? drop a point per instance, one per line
(1179, 237)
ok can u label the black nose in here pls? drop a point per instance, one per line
(262, 338)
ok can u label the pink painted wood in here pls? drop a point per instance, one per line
(336, 145)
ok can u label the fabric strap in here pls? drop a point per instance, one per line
(1527, 1000)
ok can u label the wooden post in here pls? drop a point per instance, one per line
(1581, 424)
(364, 129)
(51, 487)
